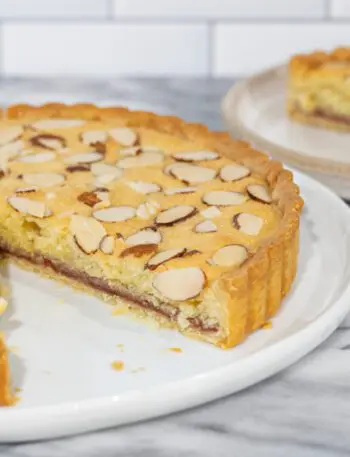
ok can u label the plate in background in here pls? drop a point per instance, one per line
(254, 110)
(64, 342)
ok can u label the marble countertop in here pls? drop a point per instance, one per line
(301, 412)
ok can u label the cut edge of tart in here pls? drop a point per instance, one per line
(6, 396)
(318, 89)
(248, 282)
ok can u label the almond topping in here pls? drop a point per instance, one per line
(180, 190)
(9, 151)
(87, 232)
(192, 174)
(103, 169)
(48, 124)
(43, 179)
(91, 137)
(144, 187)
(87, 157)
(233, 172)
(223, 198)
(79, 167)
(147, 210)
(195, 156)
(175, 214)
(139, 250)
(107, 244)
(210, 213)
(180, 284)
(48, 141)
(26, 190)
(31, 207)
(164, 256)
(229, 256)
(40, 157)
(9, 134)
(130, 152)
(142, 160)
(114, 214)
(144, 236)
(259, 192)
(124, 136)
(248, 223)
(207, 226)
(89, 198)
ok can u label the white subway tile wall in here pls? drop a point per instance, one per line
(97, 38)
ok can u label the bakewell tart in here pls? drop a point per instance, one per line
(186, 226)
(319, 89)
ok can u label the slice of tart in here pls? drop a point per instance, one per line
(6, 396)
(190, 228)
(319, 89)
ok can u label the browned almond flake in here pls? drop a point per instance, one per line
(89, 198)
(79, 167)
(48, 141)
(139, 250)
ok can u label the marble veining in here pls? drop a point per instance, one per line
(301, 412)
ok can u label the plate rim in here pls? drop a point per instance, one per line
(293, 157)
(69, 418)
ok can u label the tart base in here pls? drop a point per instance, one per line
(6, 397)
(318, 120)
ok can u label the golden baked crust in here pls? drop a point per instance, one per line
(245, 296)
(319, 89)
(6, 397)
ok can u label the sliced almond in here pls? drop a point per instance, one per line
(175, 214)
(78, 167)
(114, 214)
(195, 156)
(89, 198)
(248, 223)
(259, 192)
(144, 187)
(139, 250)
(87, 232)
(31, 207)
(130, 152)
(48, 141)
(107, 244)
(104, 169)
(91, 137)
(10, 134)
(223, 198)
(210, 213)
(231, 255)
(180, 190)
(192, 174)
(11, 150)
(124, 136)
(87, 157)
(43, 179)
(144, 236)
(207, 226)
(142, 160)
(48, 124)
(40, 157)
(8, 152)
(147, 210)
(26, 190)
(164, 256)
(180, 284)
(233, 172)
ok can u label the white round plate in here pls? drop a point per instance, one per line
(254, 110)
(64, 342)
